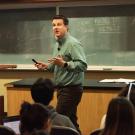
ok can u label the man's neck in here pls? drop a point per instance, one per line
(62, 39)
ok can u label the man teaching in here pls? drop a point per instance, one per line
(68, 65)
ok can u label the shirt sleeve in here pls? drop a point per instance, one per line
(51, 67)
(78, 62)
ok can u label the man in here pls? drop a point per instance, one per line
(42, 91)
(68, 64)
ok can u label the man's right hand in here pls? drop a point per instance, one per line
(41, 65)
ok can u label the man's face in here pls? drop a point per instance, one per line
(59, 28)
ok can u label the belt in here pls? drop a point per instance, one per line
(69, 86)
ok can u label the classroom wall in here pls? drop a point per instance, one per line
(9, 76)
(3, 90)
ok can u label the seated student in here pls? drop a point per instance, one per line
(4, 130)
(34, 117)
(42, 92)
(120, 118)
(129, 93)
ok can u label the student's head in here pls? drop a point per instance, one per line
(6, 131)
(34, 117)
(120, 118)
(129, 92)
(42, 91)
(60, 26)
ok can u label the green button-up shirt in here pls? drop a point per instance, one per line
(73, 53)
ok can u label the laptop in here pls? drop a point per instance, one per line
(12, 122)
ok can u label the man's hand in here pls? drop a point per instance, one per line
(57, 61)
(41, 65)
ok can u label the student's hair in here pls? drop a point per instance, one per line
(4, 130)
(42, 91)
(129, 92)
(120, 118)
(65, 19)
(33, 116)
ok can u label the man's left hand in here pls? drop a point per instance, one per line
(57, 61)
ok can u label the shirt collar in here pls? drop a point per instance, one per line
(62, 40)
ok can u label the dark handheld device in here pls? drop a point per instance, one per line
(34, 61)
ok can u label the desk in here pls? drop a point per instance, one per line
(90, 111)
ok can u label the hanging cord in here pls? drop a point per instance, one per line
(129, 90)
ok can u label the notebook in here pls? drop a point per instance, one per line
(12, 122)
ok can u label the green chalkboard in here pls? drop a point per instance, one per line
(27, 34)
(106, 40)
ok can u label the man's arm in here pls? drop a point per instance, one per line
(78, 62)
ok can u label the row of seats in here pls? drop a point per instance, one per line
(56, 130)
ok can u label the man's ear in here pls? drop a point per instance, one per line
(67, 27)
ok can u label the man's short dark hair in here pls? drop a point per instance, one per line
(65, 19)
(42, 91)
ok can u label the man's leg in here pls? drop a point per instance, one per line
(68, 100)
